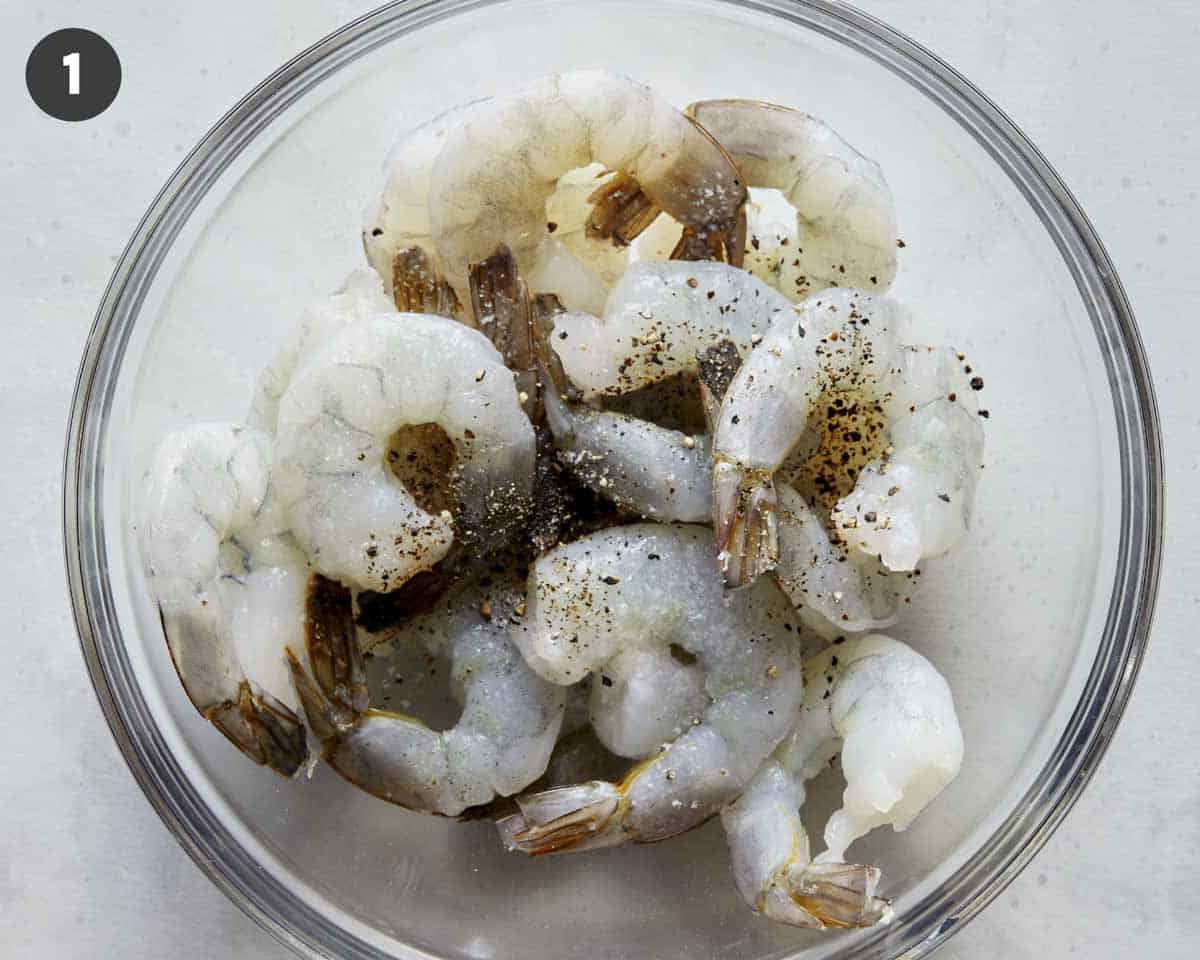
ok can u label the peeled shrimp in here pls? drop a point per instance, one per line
(845, 341)
(349, 512)
(497, 170)
(649, 586)
(916, 499)
(845, 213)
(229, 585)
(659, 473)
(893, 715)
(657, 322)
(510, 719)
(361, 296)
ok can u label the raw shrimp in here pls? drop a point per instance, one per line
(912, 500)
(397, 235)
(916, 499)
(845, 213)
(356, 521)
(228, 584)
(361, 296)
(848, 591)
(658, 473)
(510, 718)
(497, 170)
(657, 322)
(893, 714)
(650, 586)
(841, 339)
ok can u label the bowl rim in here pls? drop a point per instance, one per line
(1125, 635)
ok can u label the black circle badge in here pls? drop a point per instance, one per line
(73, 74)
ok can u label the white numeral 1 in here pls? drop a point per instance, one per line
(71, 62)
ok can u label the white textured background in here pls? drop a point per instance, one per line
(1109, 90)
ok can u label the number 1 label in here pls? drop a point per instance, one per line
(71, 62)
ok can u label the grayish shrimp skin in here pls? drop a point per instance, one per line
(356, 521)
(893, 716)
(228, 583)
(658, 320)
(510, 718)
(845, 213)
(499, 167)
(648, 586)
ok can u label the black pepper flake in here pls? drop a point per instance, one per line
(984, 414)
(607, 681)
(944, 497)
(977, 383)
(610, 580)
(377, 232)
(869, 516)
(551, 226)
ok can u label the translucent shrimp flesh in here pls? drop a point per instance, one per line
(497, 170)
(658, 320)
(385, 377)
(229, 585)
(912, 501)
(510, 718)
(397, 234)
(649, 586)
(659, 473)
(916, 499)
(893, 716)
(361, 296)
(848, 591)
(846, 217)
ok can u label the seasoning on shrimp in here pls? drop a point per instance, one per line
(847, 343)
(844, 210)
(338, 418)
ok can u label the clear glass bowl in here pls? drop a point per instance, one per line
(1039, 623)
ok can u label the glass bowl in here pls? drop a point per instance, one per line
(1039, 622)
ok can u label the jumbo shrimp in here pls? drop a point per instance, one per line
(650, 586)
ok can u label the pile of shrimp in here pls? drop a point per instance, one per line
(645, 467)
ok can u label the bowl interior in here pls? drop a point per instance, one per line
(1013, 619)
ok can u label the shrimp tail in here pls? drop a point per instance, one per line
(333, 691)
(839, 895)
(725, 243)
(505, 313)
(264, 730)
(620, 210)
(744, 515)
(586, 816)
(418, 286)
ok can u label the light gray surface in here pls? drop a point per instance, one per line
(1108, 91)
